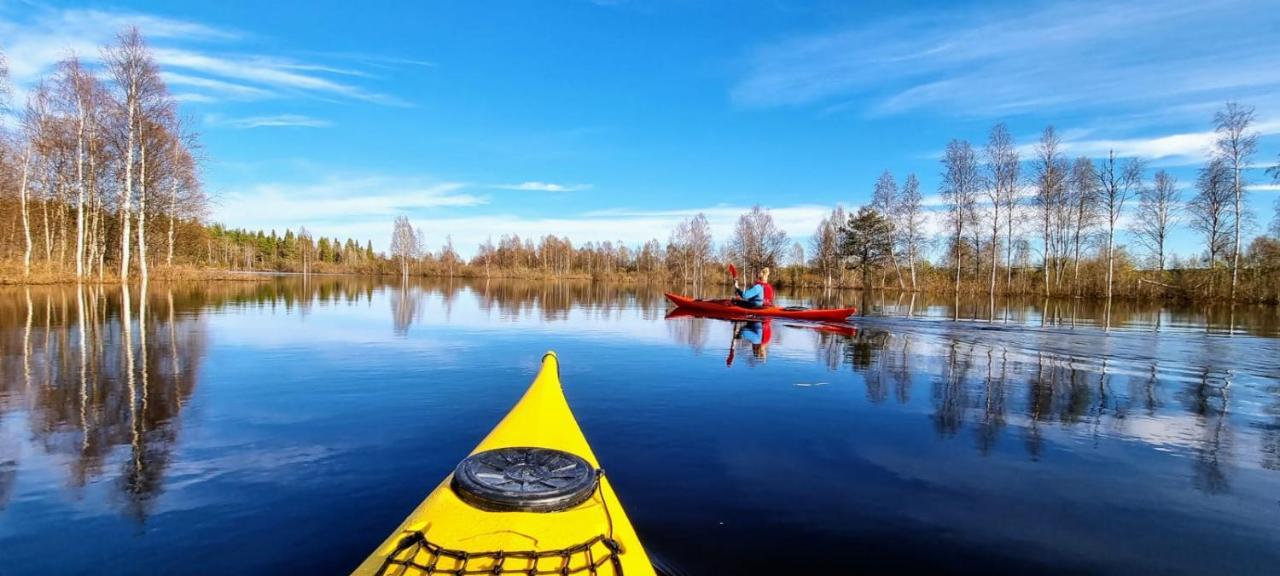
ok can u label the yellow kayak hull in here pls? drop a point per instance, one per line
(445, 534)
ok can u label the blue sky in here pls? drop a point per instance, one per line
(612, 120)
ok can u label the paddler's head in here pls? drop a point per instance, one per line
(763, 275)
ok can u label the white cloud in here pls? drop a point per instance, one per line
(1185, 148)
(220, 87)
(1263, 187)
(337, 202)
(274, 121)
(206, 61)
(543, 187)
(987, 61)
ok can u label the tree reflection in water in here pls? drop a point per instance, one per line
(104, 374)
(1059, 383)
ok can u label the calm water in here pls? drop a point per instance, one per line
(257, 426)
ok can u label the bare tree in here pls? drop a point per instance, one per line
(701, 246)
(1157, 215)
(1210, 213)
(797, 260)
(911, 221)
(1050, 178)
(757, 241)
(884, 200)
(1235, 145)
(1083, 186)
(128, 63)
(825, 245)
(1116, 184)
(404, 244)
(305, 246)
(1002, 188)
(960, 184)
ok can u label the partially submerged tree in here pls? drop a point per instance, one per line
(404, 244)
(1157, 215)
(1116, 184)
(960, 184)
(1049, 181)
(911, 221)
(1083, 187)
(1210, 212)
(884, 199)
(1235, 146)
(1002, 189)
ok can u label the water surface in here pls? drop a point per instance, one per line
(290, 425)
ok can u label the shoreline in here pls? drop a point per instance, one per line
(187, 274)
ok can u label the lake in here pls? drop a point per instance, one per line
(290, 425)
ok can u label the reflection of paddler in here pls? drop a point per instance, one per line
(758, 333)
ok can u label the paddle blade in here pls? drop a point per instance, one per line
(733, 271)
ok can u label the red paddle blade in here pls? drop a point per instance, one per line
(733, 271)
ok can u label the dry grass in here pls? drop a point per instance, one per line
(11, 274)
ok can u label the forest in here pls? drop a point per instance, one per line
(100, 180)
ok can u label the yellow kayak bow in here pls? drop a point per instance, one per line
(530, 499)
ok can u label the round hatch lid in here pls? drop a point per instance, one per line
(524, 479)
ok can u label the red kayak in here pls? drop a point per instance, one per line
(726, 307)
(832, 327)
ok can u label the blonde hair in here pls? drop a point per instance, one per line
(763, 272)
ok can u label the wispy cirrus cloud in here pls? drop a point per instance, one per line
(1028, 57)
(535, 186)
(208, 64)
(1178, 149)
(338, 201)
(270, 121)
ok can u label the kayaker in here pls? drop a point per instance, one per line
(759, 295)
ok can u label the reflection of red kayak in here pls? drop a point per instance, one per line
(832, 327)
(724, 307)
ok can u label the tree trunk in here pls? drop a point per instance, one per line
(995, 241)
(1235, 258)
(126, 193)
(26, 224)
(1008, 249)
(1111, 236)
(1046, 262)
(80, 198)
(173, 215)
(911, 264)
(142, 207)
(959, 240)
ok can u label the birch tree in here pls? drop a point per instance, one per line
(1157, 215)
(1235, 145)
(757, 241)
(960, 184)
(1083, 184)
(825, 245)
(1116, 184)
(883, 200)
(75, 94)
(1210, 213)
(1050, 177)
(127, 63)
(1002, 188)
(404, 244)
(911, 220)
